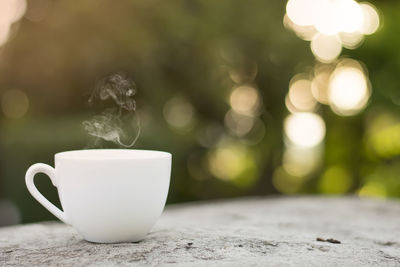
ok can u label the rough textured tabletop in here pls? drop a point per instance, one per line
(242, 232)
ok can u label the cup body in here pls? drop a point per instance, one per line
(113, 195)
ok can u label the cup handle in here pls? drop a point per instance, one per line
(49, 171)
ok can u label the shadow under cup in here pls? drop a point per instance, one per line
(112, 195)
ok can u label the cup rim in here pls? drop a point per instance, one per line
(111, 154)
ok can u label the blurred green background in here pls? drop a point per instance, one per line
(212, 82)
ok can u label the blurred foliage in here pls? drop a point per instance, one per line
(186, 52)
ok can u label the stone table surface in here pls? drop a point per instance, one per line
(242, 232)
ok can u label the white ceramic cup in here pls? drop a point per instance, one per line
(107, 195)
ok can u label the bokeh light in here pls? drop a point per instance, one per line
(245, 100)
(326, 18)
(349, 16)
(304, 129)
(179, 113)
(233, 162)
(371, 19)
(209, 135)
(285, 182)
(372, 189)
(300, 161)
(326, 48)
(300, 95)
(320, 82)
(14, 103)
(238, 124)
(351, 40)
(256, 134)
(244, 73)
(382, 180)
(306, 33)
(349, 88)
(335, 180)
(302, 12)
(383, 135)
(10, 12)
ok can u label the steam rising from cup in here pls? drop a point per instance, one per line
(119, 124)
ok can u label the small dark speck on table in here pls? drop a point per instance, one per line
(329, 240)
